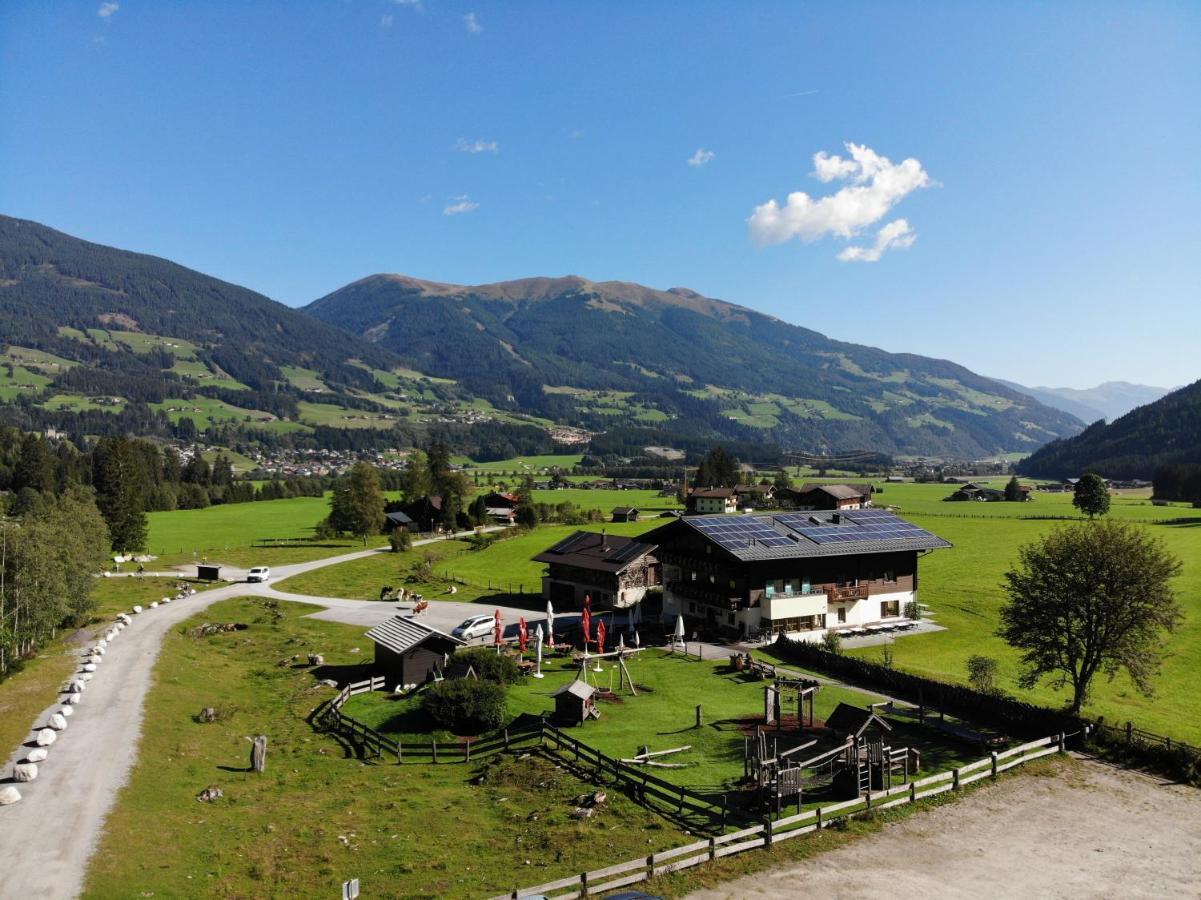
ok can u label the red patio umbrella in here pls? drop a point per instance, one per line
(498, 629)
(586, 620)
(600, 636)
(523, 634)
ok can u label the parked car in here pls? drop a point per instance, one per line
(258, 573)
(476, 626)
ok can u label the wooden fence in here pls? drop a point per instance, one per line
(768, 833)
(330, 715)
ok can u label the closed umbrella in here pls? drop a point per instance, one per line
(538, 646)
(586, 621)
(679, 634)
(600, 636)
(523, 634)
(550, 624)
(637, 642)
(498, 630)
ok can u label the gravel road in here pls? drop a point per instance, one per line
(48, 837)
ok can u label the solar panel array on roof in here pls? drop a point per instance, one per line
(571, 543)
(859, 525)
(737, 532)
(629, 551)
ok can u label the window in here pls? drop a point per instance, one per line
(890, 575)
(692, 575)
(890, 609)
(713, 579)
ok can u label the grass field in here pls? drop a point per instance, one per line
(316, 817)
(648, 502)
(532, 465)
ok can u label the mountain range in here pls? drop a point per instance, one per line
(1110, 400)
(97, 339)
(1164, 432)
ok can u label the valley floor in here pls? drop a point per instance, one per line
(1083, 830)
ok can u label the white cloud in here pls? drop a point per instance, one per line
(106, 10)
(896, 235)
(459, 205)
(477, 146)
(385, 21)
(701, 157)
(876, 186)
(472, 23)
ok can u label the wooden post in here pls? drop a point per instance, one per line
(955, 780)
(1063, 742)
(435, 746)
(913, 792)
(650, 865)
(583, 884)
(399, 751)
(506, 738)
(818, 821)
(258, 753)
(467, 751)
(993, 758)
(698, 715)
(767, 834)
(1129, 732)
(725, 800)
(712, 849)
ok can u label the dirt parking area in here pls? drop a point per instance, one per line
(1089, 830)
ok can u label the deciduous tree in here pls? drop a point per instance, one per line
(1091, 496)
(1091, 598)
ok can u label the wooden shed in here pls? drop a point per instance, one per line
(408, 652)
(625, 514)
(208, 571)
(573, 703)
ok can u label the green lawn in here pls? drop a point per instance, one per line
(663, 716)
(533, 465)
(363, 578)
(648, 502)
(317, 817)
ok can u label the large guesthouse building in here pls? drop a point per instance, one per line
(614, 571)
(796, 573)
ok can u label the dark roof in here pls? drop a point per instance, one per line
(598, 551)
(402, 633)
(854, 720)
(576, 688)
(837, 491)
(812, 534)
(398, 518)
(624, 510)
(712, 492)
(753, 488)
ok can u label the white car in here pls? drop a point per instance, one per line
(258, 573)
(476, 626)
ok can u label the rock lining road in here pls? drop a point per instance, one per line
(48, 837)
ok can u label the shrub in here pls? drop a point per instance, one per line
(490, 665)
(399, 540)
(831, 642)
(982, 673)
(466, 706)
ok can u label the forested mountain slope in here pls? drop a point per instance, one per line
(596, 353)
(1163, 432)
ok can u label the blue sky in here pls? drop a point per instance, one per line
(1048, 212)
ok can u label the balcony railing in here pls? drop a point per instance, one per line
(851, 592)
(702, 594)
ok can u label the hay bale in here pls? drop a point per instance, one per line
(9, 795)
(46, 737)
(23, 772)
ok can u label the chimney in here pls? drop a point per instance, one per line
(605, 539)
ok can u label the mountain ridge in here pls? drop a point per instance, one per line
(1108, 400)
(678, 353)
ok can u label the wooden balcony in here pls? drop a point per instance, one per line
(855, 592)
(704, 594)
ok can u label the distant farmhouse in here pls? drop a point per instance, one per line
(800, 573)
(826, 496)
(614, 571)
(985, 494)
(706, 501)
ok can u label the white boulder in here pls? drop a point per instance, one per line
(154, 604)
(37, 755)
(76, 686)
(66, 711)
(25, 772)
(58, 722)
(137, 609)
(46, 737)
(9, 795)
(88, 667)
(72, 699)
(85, 677)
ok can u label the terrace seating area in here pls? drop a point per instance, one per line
(879, 628)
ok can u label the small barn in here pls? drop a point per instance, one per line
(574, 703)
(625, 514)
(853, 721)
(408, 652)
(398, 519)
(208, 571)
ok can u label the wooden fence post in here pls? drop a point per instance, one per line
(698, 715)
(434, 744)
(467, 751)
(913, 792)
(955, 780)
(767, 833)
(583, 884)
(993, 757)
(712, 849)
(818, 813)
(506, 738)
(1063, 742)
(1129, 732)
(650, 866)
